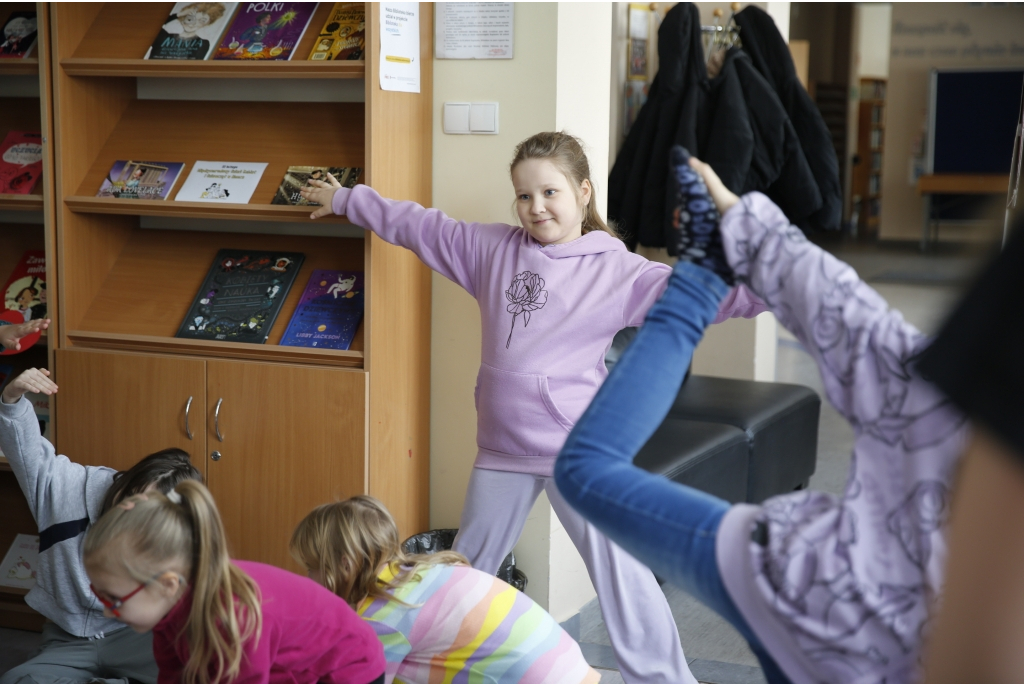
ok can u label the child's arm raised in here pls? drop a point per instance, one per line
(452, 248)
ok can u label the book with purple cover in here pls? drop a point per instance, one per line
(140, 180)
(329, 312)
(265, 31)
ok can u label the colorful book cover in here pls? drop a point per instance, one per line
(18, 36)
(18, 569)
(296, 177)
(329, 312)
(133, 180)
(25, 295)
(241, 296)
(21, 162)
(265, 30)
(343, 36)
(191, 30)
(225, 182)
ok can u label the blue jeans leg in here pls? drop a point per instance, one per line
(668, 526)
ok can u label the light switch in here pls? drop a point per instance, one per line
(483, 117)
(456, 117)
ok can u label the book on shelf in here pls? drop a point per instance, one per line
(18, 36)
(25, 296)
(133, 180)
(21, 162)
(241, 296)
(265, 31)
(296, 177)
(224, 182)
(18, 569)
(191, 31)
(343, 36)
(329, 312)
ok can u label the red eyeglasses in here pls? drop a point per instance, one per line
(115, 603)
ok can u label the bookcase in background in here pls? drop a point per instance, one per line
(276, 429)
(867, 173)
(26, 223)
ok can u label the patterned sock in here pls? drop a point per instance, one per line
(694, 219)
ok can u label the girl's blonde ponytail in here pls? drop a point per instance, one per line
(226, 610)
(183, 529)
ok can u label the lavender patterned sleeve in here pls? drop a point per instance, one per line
(842, 589)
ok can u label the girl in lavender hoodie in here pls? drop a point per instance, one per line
(552, 293)
(824, 588)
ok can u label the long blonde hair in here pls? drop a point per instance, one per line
(566, 153)
(350, 542)
(155, 533)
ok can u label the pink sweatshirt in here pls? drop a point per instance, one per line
(309, 635)
(548, 316)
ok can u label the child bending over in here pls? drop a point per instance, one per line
(160, 562)
(440, 621)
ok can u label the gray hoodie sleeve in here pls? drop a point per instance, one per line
(57, 489)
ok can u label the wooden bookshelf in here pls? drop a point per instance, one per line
(127, 278)
(867, 173)
(28, 66)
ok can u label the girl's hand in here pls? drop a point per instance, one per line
(723, 197)
(10, 336)
(31, 380)
(321, 192)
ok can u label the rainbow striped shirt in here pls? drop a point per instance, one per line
(465, 626)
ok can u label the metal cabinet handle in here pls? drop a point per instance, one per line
(215, 455)
(188, 406)
(216, 419)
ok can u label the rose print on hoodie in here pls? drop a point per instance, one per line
(525, 295)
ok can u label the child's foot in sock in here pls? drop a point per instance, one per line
(694, 219)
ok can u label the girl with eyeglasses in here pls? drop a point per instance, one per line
(160, 562)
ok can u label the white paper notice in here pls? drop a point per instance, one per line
(474, 30)
(400, 46)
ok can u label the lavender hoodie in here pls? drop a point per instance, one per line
(548, 316)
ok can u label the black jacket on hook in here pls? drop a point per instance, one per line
(770, 54)
(735, 122)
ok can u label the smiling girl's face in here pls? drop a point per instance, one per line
(547, 205)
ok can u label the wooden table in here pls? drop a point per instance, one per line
(964, 184)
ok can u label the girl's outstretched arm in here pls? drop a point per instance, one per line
(455, 249)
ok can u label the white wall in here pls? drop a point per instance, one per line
(874, 39)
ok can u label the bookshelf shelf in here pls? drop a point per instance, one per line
(28, 66)
(28, 203)
(82, 204)
(104, 66)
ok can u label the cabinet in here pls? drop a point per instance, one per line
(26, 223)
(298, 426)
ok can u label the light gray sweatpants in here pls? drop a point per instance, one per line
(640, 624)
(123, 656)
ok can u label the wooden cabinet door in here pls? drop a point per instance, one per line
(113, 408)
(290, 438)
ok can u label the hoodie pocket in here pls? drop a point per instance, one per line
(517, 415)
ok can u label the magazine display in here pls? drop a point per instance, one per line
(329, 312)
(295, 179)
(224, 182)
(191, 31)
(18, 36)
(18, 569)
(241, 296)
(343, 36)
(133, 180)
(21, 162)
(265, 31)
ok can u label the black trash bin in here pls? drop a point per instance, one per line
(441, 539)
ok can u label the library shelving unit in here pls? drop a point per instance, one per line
(867, 174)
(26, 223)
(275, 429)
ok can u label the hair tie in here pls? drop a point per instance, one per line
(174, 496)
